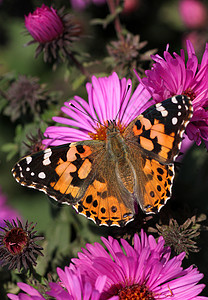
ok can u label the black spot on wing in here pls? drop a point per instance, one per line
(80, 148)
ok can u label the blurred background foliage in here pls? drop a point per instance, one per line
(157, 22)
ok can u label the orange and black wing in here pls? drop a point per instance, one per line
(156, 136)
(159, 130)
(103, 204)
(78, 174)
(62, 172)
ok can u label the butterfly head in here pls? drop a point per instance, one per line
(112, 126)
(106, 129)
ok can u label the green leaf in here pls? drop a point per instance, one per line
(58, 235)
(3, 103)
(11, 150)
(78, 82)
(42, 261)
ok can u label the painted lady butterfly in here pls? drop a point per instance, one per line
(103, 180)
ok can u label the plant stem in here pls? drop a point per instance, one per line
(112, 7)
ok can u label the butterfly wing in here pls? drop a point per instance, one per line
(62, 172)
(156, 137)
(104, 205)
(84, 175)
(79, 174)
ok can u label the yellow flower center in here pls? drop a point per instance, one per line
(135, 292)
(101, 131)
(189, 93)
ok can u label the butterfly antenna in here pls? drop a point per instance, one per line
(124, 96)
(87, 114)
(98, 121)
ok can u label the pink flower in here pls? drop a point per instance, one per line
(197, 38)
(185, 146)
(32, 293)
(72, 286)
(108, 99)
(172, 75)
(198, 126)
(55, 32)
(193, 13)
(44, 24)
(6, 212)
(144, 270)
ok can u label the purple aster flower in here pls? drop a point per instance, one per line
(55, 31)
(44, 24)
(72, 286)
(198, 127)
(109, 98)
(6, 212)
(185, 146)
(144, 271)
(172, 75)
(18, 248)
(32, 293)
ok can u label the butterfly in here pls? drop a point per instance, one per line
(105, 180)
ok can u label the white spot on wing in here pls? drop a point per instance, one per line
(28, 159)
(164, 113)
(46, 162)
(161, 109)
(174, 100)
(42, 175)
(27, 169)
(47, 153)
(158, 105)
(174, 121)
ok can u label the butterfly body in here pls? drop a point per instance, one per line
(103, 179)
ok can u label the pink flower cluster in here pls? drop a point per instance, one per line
(145, 269)
(169, 76)
(107, 96)
(173, 75)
